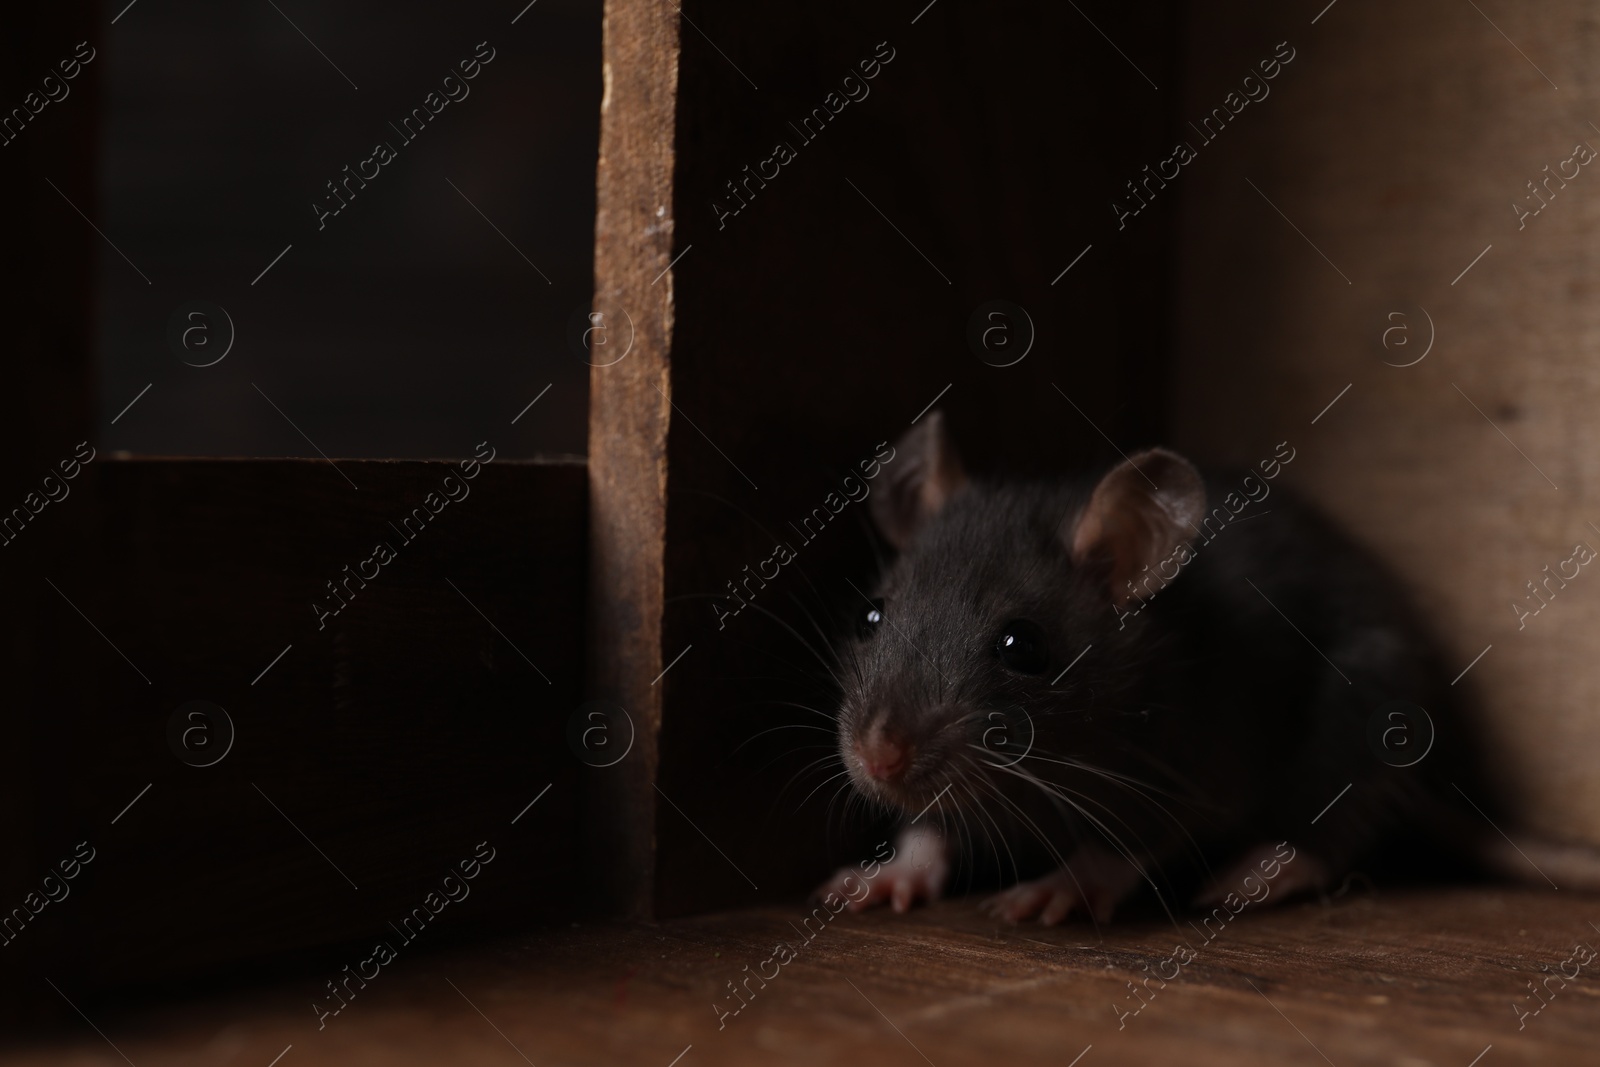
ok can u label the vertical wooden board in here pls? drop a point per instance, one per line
(363, 753)
(626, 343)
(818, 309)
(1396, 143)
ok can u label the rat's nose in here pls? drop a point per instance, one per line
(884, 756)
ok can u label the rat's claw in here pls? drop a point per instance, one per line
(898, 883)
(1051, 898)
(1266, 870)
(1093, 880)
(918, 872)
(844, 882)
(1059, 907)
(904, 893)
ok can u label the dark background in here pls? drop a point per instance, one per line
(407, 327)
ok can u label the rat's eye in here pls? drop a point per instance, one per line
(1020, 647)
(868, 622)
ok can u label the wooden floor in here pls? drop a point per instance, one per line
(1408, 979)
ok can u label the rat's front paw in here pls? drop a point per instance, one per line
(918, 871)
(1266, 870)
(1093, 880)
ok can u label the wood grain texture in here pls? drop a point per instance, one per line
(1397, 142)
(1393, 978)
(629, 410)
(370, 755)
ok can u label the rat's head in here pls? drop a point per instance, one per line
(959, 651)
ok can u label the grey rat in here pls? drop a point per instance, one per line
(1151, 679)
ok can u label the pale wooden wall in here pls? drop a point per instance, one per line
(1396, 141)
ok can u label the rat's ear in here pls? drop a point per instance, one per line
(923, 474)
(1142, 512)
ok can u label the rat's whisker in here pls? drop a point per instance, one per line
(1109, 775)
(820, 762)
(762, 609)
(774, 729)
(1139, 789)
(984, 815)
(844, 788)
(978, 814)
(1061, 863)
(1024, 819)
(792, 704)
(819, 785)
(1106, 831)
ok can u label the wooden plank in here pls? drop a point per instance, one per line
(1469, 368)
(373, 746)
(1390, 977)
(628, 416)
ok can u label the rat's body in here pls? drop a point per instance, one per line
(1146, 679)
